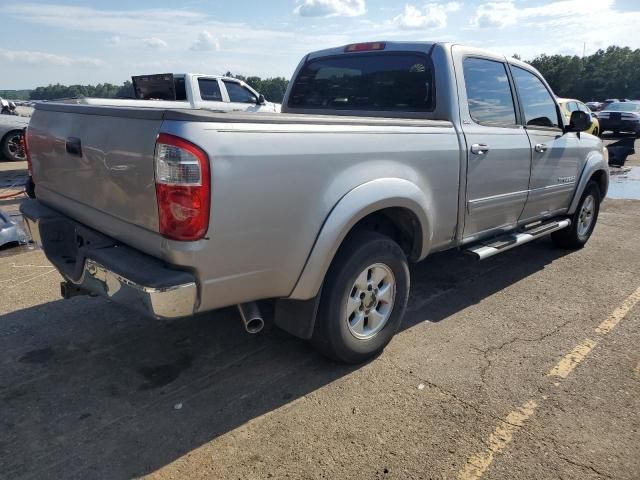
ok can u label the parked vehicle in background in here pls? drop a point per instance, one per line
(386, 152)
(570, 105)
(190, 90)
(11, 128)
(595, 106)
(621, 117)
(608, 102)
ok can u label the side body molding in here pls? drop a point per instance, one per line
(595, 161)
(355, 205)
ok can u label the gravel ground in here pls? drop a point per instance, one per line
(499, 372)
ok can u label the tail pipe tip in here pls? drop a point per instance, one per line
(251, 317)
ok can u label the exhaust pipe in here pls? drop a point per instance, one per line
(251, 317)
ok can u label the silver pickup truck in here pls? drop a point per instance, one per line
(385, 153)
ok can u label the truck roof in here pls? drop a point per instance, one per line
(388, 46)
(403, 46)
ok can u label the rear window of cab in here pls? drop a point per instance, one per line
(374, 82)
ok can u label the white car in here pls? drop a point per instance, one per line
(191, 90)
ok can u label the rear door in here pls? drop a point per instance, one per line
(210, 91)
(498, 150)
(556, 156)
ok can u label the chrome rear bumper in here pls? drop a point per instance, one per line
(102, 266)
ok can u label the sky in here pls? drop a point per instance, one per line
(71, 42)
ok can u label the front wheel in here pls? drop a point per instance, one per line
(363, 299)
(12, 148)
(583, 220)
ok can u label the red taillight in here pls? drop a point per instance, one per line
(25, 146)
(365, 47)
(183, 188)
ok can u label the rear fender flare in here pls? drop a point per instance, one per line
(363, 200)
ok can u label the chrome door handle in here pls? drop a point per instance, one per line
(541, 148)
(479, 148)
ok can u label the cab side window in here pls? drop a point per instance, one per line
(489, 92)
(538, 104)
(209, 89)
(237, 93)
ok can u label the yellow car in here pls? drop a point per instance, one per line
(568, 105)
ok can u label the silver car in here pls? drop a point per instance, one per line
(11, 128)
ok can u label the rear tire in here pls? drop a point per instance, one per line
(583, 221)
(363, 300)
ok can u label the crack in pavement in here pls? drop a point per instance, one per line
(556, 450)
(450, 394)
(491, 350)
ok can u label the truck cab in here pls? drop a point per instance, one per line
(190, 90)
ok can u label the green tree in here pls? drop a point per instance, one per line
(610, 73)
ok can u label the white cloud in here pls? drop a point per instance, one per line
(578, 13)
(495, 15)
(113, 41)
(206, 42)
(330, 8)
(29, 57)
(434, 15)
(154, 42)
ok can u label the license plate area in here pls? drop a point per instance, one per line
(66, 244)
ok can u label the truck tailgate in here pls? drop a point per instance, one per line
(101, 158)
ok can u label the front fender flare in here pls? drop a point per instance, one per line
(363, 200)
(595, 162)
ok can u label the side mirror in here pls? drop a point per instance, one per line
(261, 100)
(579, 121)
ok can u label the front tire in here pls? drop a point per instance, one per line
(364, 298)
(583, 220)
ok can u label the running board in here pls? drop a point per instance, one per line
(508, 241)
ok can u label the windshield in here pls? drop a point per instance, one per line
(624, 107)
(379, 82)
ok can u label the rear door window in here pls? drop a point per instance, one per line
(374, 82)
(537, 102)
(489, 92)
(238, 93)
(209, 89)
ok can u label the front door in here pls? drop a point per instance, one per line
(556, 159)
(498, 149)
(240, 97)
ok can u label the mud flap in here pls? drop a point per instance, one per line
(297, 317)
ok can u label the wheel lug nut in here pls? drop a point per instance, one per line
(370, 288)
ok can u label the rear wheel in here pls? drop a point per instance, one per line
(363, 299)
(12, 148)
(583, 220)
